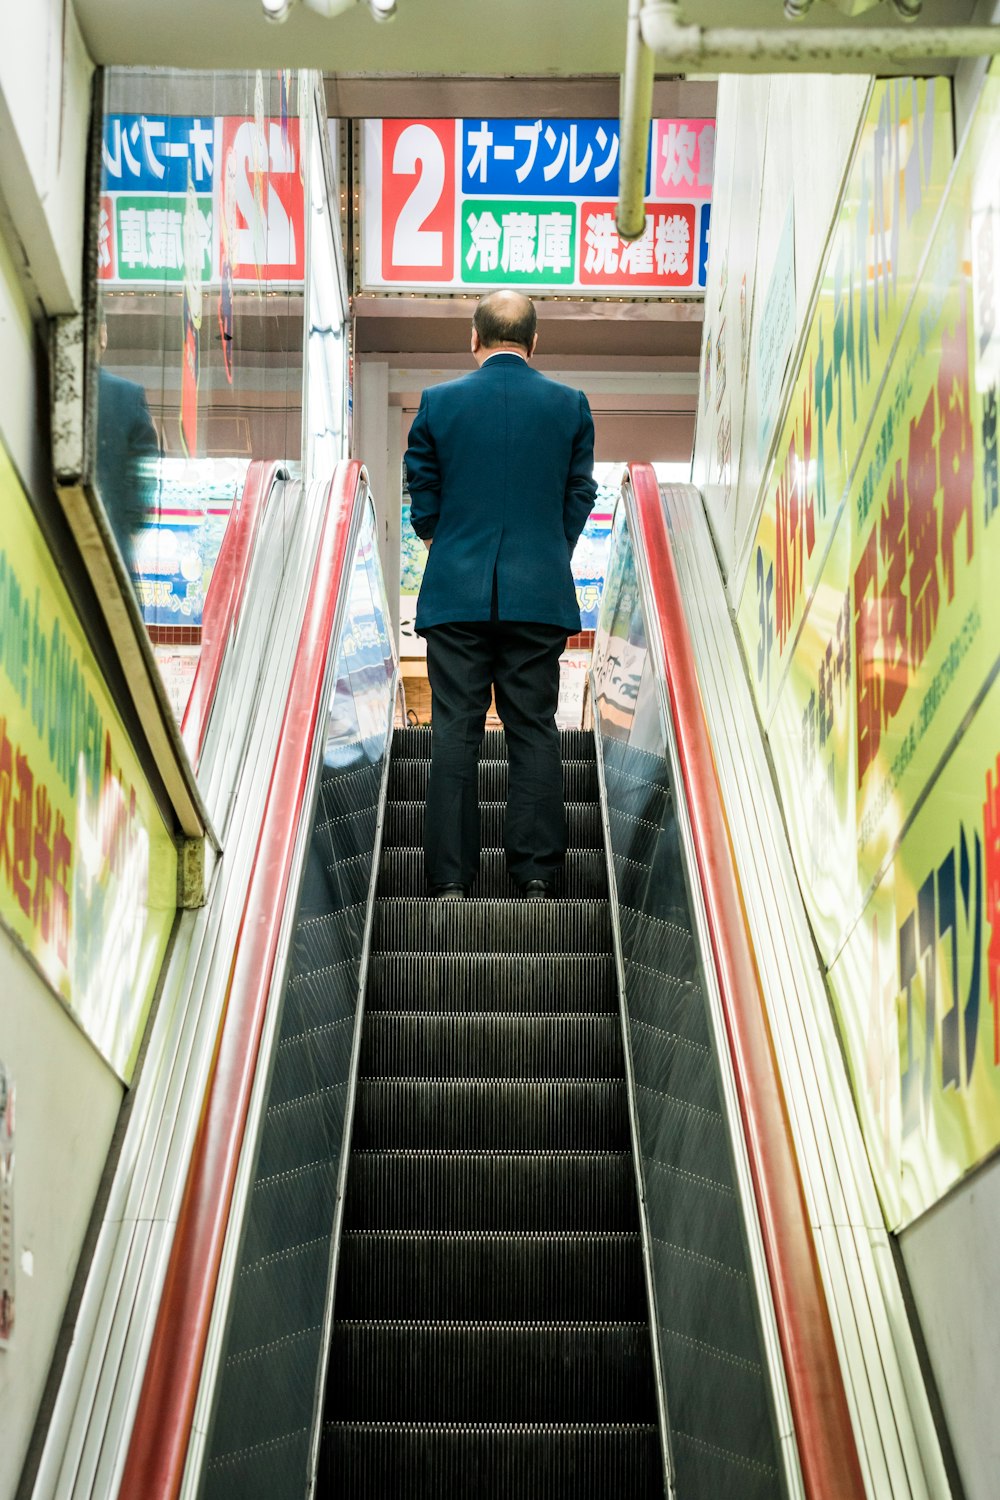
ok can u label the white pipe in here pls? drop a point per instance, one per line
(636, 107)
(682, 48)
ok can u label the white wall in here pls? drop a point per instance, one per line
(784, 143)
(68, 1100)
(951, 1259)
(67, 1105)
(45, 77)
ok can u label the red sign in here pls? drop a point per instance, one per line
(268, 211)
(418, 200)
(665, 256)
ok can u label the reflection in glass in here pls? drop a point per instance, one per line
(202, 305)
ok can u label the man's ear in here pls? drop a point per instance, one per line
(534, 346)
(476, 341)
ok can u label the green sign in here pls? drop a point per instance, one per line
(150, 237)
(521, 243)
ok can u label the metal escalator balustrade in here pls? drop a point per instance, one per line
(754, 1397)
(491, 1329)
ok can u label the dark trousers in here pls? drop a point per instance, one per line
(521, 662)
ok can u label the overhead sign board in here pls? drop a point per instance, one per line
(462, 204)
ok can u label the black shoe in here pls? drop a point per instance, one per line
(536, 890)
(449, 892)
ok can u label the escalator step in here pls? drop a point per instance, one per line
(491, 1046)
(470, 982)
(408, 780)
(553, 1190)
(493, 1372)
(549, 927)
(414, 743)
(584, 875)
(404, 825)
(425, 1461)
(503, 1277)
(489, 1114)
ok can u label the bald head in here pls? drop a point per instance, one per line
(505, 318)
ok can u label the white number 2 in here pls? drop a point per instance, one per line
(412, 245)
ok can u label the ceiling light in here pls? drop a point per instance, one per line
(382, 10)
(276, 10)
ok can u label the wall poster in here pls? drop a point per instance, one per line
(873, 625)
(88, 869)
(467, 205)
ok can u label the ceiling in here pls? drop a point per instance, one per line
(561, 38)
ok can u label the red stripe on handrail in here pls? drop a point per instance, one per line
(158, 1446)
(827, 1450)
(224, 600)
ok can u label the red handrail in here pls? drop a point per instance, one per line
(224, 599)
(154, 1466)
(827, 1450)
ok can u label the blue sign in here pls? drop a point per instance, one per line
(706, 218)
(156, 152)
(547, 158)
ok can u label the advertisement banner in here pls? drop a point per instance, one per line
(886, 214)
(917, 986)
(464, 203)
(885, 735)
(244, 177)
(88, 870)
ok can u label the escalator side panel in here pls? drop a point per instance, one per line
(719, 1415)
(260, 1439)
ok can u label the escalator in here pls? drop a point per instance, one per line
(496, 1235)
(490, 1322)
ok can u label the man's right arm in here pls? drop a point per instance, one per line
(423, 475)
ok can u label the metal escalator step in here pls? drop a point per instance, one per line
(526, 1190)
(424, 925)
(446, 1045)
(495, 1372)
(404, 825)
(485, 1113)
(584, 984)
(647, 802)
(408, 780)
(342, 790)
(632, 836)
(414, 743)
(320, 942)
(428, 1461)
(496, 1277)
(584, 875)
(663, 946)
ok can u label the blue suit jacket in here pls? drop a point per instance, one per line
(500, 467)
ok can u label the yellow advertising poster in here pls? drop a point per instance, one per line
(917, 986)
(88, 870)
(887, 210)
(886, 731)
(904, 625)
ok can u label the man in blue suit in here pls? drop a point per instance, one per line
(500, 467)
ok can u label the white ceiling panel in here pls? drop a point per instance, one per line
(449, 37)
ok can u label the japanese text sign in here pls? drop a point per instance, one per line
(88, 871)
(872, 623)
(246, 183)
(467, 203)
